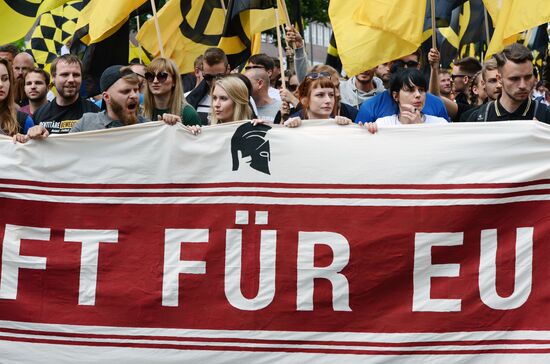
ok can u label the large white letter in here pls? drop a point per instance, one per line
(307, 271)
(424, 270)
(233, 252)
(173, 266)
(12, 261)
(89, 254)
(488, 270)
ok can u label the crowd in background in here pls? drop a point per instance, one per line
(506, 87)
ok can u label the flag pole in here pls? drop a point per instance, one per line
(486, 21)
(287, 17)
(434, 28)
(157, 27)
(223, 7)
(139, 44)
(280, 47)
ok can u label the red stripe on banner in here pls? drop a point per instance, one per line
(275, 185)
(283, 342)
(405, 196)
(278, 349)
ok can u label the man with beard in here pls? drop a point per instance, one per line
(60, 115)
(382, 71)
(37, 82)
(360, 88)
(22, 63)
(120, 90)
(515, 71)
(445, 84)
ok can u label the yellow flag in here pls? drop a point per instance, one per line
(372, 32)
(516, 16)
(187, 30)
(105, 17)
(17, 17)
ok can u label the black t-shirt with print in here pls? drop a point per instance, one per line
(60, 119)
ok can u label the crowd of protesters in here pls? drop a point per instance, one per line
(502, 88)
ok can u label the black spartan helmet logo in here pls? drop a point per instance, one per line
(250, 141)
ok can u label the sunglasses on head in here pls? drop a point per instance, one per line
(316, 75)
(161, 76)
(209, 77)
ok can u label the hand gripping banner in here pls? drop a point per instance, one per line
(320, 244)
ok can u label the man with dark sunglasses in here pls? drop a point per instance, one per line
(214, 65)
(383, 104)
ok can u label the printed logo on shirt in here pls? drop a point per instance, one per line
(59, 127)
(250, 141)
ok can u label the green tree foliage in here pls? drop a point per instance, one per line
(313, 10)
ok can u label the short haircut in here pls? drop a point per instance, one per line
(443, 71)
(489, 65)
(408, 77)
(214, 56)
(258, 74)
(276, 62)
(10, 48)
(40, 71)
(66, 58)
(263, 60)
(198, 62)
(517, 53)
(468, 65)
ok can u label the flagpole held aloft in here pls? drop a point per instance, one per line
(434, 27)
(280, 47)
(157, 26)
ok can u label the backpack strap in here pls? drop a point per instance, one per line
(487, 110)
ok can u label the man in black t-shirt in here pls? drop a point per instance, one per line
(60, 115)
(515, 68)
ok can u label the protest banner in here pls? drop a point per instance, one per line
(320, 244)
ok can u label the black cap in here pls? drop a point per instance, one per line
(111, 75)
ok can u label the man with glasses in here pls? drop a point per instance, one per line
(463, 70)
(214, 64)
(383, 104)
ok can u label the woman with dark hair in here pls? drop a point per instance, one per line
(12, 122)
(318, 97)
(408, 90)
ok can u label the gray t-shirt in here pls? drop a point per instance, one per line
(99, 121)
(267, 112)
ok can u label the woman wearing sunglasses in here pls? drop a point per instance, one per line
(408, 90)
(318, 97)
(12, 122)
(164, 93)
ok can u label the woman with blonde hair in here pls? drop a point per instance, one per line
(12, 121)
(164, 93)
(230, 100)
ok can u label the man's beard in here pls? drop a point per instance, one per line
(125, 118)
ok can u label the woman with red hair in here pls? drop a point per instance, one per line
(319, 100)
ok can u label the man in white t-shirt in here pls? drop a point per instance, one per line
(267, 106)
(263, 61)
